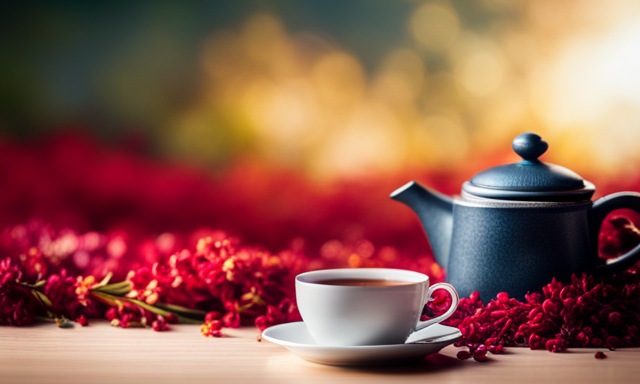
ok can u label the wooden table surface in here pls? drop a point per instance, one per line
(103, 354)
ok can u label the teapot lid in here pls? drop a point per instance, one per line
(529, 179)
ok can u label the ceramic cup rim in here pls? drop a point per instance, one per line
(413, 278)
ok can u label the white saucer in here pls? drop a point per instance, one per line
(296, 338)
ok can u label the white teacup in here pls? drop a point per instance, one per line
(347, 315)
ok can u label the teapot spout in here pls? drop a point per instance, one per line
(435, 211)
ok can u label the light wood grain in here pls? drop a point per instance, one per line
(102, 354)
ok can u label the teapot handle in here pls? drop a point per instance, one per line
(601, 208)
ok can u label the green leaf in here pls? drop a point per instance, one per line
(105, 298)
(36, 285)
(160, 311)
(42, 298)
(106, 279)
(117, 301)
(182, 310)
(118, 289)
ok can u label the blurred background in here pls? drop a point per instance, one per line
(285, 120)
(332, 88)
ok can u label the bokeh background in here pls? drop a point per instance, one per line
(289, 122)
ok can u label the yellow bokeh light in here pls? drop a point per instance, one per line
(369, 142)
(302, 100)
(339, 79)
(402, 77)
(480, 67)
(481, 73)
(435, 25)
(441, 140)
(592, 88)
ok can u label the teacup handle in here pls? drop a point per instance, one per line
(454, 304)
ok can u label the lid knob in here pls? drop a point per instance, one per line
(529, 146)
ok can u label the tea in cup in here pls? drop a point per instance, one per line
(366, 306)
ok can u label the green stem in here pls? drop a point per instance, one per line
(180, 309)
(36, 285)
(159, 311)
(105, 298)
(112, 301)
(42, 298)
(121, 288)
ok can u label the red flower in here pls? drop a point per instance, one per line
(17, 304)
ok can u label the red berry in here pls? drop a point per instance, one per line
(613, 342)
(480, 356)
(496, 349)
(463, 355)
(210, 316)
(600, 355)
(615, 318)
(216, 325)
(556, 345)
(232, 319)
(549, 307)
(112, 313)
(503, 297)
(83, 321)
(159, 326)
(261, 322)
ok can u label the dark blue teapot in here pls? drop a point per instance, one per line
(515, 227)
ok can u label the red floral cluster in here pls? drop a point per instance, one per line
(587, 312)
(16, 305)
(236, 284)
(23, 299)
